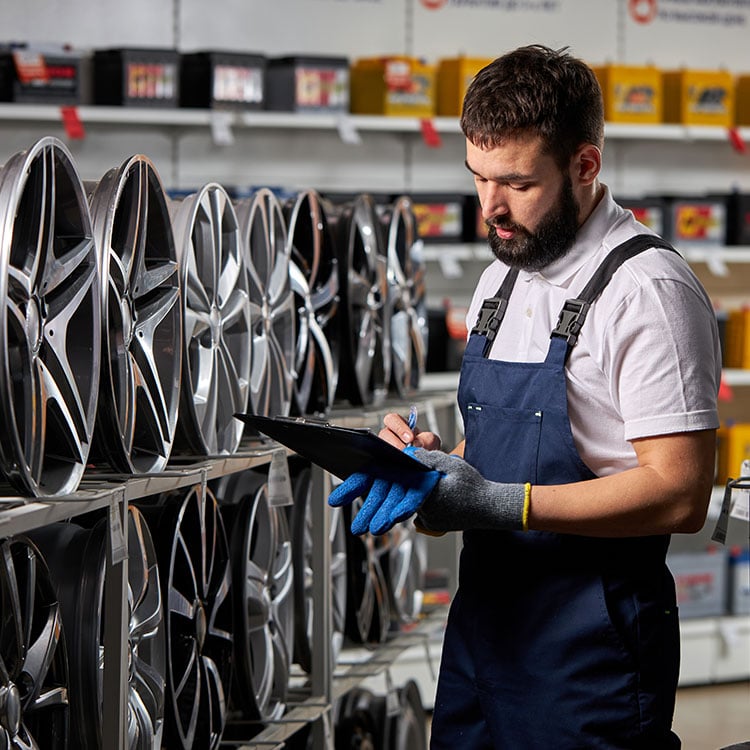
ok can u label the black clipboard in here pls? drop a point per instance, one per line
(339, 450)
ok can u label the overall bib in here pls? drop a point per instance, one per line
(553, 641)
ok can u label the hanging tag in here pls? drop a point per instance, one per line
(118, 545)
(737, 141)
(221, 128)
(347, 131)
(720, 531)
(279, 481)
(72, 123)
(430, 136)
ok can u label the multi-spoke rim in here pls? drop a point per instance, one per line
(263, 581)
(142, 319)
(217, 321)
(315, 283)
(404, 567)
(272, 303)
(33, 660)
(405, 285)
(408, 727)
(50, 317)
(365, 367)
(194, 555)
(302, 550)
(78, 555)
(367, 605)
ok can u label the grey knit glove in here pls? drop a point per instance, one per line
(463, 499)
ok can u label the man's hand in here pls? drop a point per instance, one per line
(397, 432)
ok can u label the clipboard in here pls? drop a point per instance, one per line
(339, 450)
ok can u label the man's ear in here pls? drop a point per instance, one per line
(586, 164)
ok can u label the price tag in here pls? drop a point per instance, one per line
(117, 544)
(347, 131)
(221, 128)
(279, 481)
(72, 123)
(430, 136)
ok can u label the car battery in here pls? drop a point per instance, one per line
(739, 581)
(697, 221)
(222, 80)
(38, 75)
(307, 84)
(701, 582)
(699, 97)
(738, 219)
(651, 212)
(137, 77)
(632, 93)
(444, 217)
(395, 86)
(734, 438)
(453, 78)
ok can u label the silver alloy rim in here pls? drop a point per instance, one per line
(33, 661)
(365, 369)
(263, 579)
(264, 236)
(50, 289)
(216, 319)
(142, 319)
(405, 292)
(198, 617)
(406, 563)
(315, 283)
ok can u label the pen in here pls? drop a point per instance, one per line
(412, 419)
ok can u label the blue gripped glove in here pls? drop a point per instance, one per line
(386, 503)
(463, 499)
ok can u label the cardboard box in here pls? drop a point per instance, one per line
(397, 86)
(307, 84)
(453, 78)
(632, 93)
(701, 582)
(699, 97)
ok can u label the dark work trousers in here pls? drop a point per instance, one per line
(553, 641)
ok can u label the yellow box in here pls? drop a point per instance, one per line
(742, 99)
(399, 86)
(632, 93)
(453, 78)
(733, 449)
(699, 97)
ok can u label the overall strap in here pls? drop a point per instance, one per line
(493, 310)
(574, 311)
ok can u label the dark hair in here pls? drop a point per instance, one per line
(535, 90)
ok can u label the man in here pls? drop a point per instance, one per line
(588, 391)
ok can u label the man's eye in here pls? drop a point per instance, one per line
(520, 188)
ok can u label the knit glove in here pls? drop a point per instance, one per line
(386, 503)
(464, 499)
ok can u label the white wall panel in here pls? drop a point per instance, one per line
(487, 28)
(86, 24)
(349, 28)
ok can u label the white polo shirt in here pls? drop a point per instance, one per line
(647, 361)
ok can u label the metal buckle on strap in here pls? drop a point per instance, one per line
(570, 320)
(490, 316)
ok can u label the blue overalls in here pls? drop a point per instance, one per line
(553, 641)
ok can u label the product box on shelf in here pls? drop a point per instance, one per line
(699, 97)
(739, 581)
(651, 212)
(40, 75)
(733, 439)
(701, 582)
(444, 217)
(222, 80)
(453, 78)
(307, 84)
(137, 77)
(700, 220)
(398, 86)
(632, 93)
(742, 99)
(738, 218)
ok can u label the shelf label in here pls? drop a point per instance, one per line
(279, 481)
(347, 131)
(737, 141)
(430, 136)
(72, 123)
(221, 128)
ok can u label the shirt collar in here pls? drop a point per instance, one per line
(587, 242)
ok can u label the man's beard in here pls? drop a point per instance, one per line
(533, 251)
